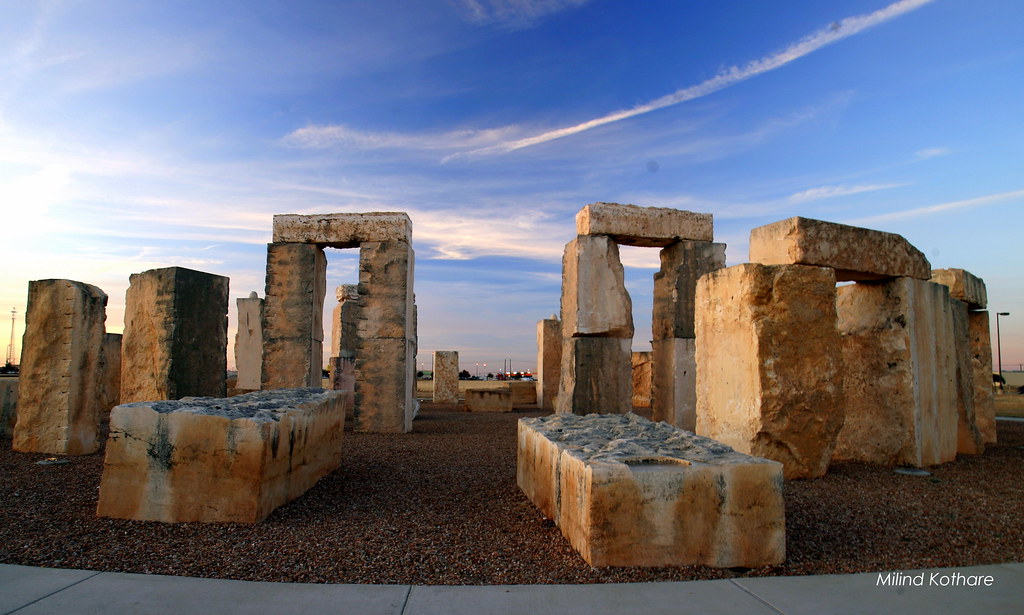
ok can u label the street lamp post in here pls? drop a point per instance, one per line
(999, 349)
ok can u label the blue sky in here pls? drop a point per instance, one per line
(136, 135)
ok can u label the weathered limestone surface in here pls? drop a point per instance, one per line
(385, 291)
(855, 253)
(343, 377)
(643, 363)
(293, 316)
(596, 375)
(549, 361)
(446, 377)
(981, 364)
(769, 365)
(346, 314)
(219, 460)
(175, 335)
(523, 393)
(343, 230)
(385, 382)
(675, 285)
(969, 440)
(900, 373)
(594, 297)
(643, 226)
(629, 492)
(489, 400)
(963, 285)
(8, 405)
(110, 391)
(62, 377)
(249, 343)
(674, 390)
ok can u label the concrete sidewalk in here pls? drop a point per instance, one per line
(28, 591)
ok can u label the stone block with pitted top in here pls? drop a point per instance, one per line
(629, 492)
(175, 335)
(343, 230)
(594, 297)
(899, 358)
(219, 460)
(855, 253)
(62, 379)
(964, 286)
(769, 364)
(643, 226)
(446, 377)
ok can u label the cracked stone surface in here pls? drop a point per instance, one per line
(216, 459)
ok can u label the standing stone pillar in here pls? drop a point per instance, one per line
(900, 373)
(675, 285)
(446, 377)
(981, 363)
(8, 405)
(61, 379)
(385, 356)
(549, 361)
(175, 335)
(344, 340)
(643, 377)
(249, 343)
(293, 329)
(111, 390)
(769, 366)
(597, 329)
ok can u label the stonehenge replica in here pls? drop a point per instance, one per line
(832, 343)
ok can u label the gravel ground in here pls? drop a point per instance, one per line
(440, 506)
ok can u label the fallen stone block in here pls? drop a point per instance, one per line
(769, 364)
(963, 285)
(342, 230)
(219, 460)
(643, 226)
(629, 492)
(489, 400)
(523, 393)
(855, 253)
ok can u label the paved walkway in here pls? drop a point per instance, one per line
(30, 591)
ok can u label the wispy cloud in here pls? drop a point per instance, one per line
(929, 210)
(932, 152)
(827, 192)
(327, 136)
(513, 13)
(836, 31)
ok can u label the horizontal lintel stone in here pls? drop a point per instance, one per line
(651, 227)
(342, 230)
(857, 254)
(963, 285)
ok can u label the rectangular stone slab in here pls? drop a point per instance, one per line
(629, 492)
(489, 400)
(219, 460)
(446, 377)
(855, 253)
(343, 230)
(643, 226)
(963, 285)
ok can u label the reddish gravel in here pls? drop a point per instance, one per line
(441, 506)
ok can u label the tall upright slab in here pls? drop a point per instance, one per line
(8, 405)
(855, 253)
(969, 440)
(674, 390)
(900, 373)
(111, 388)
(596, 376)
(446, 377)
(61, 380)
(344, 334)
(249, 342)
(981, 364)
(769, 365)
(549, 361)
(594, 298)
(175, 335)
(385, 356)
(643, 376)
(293, 316)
